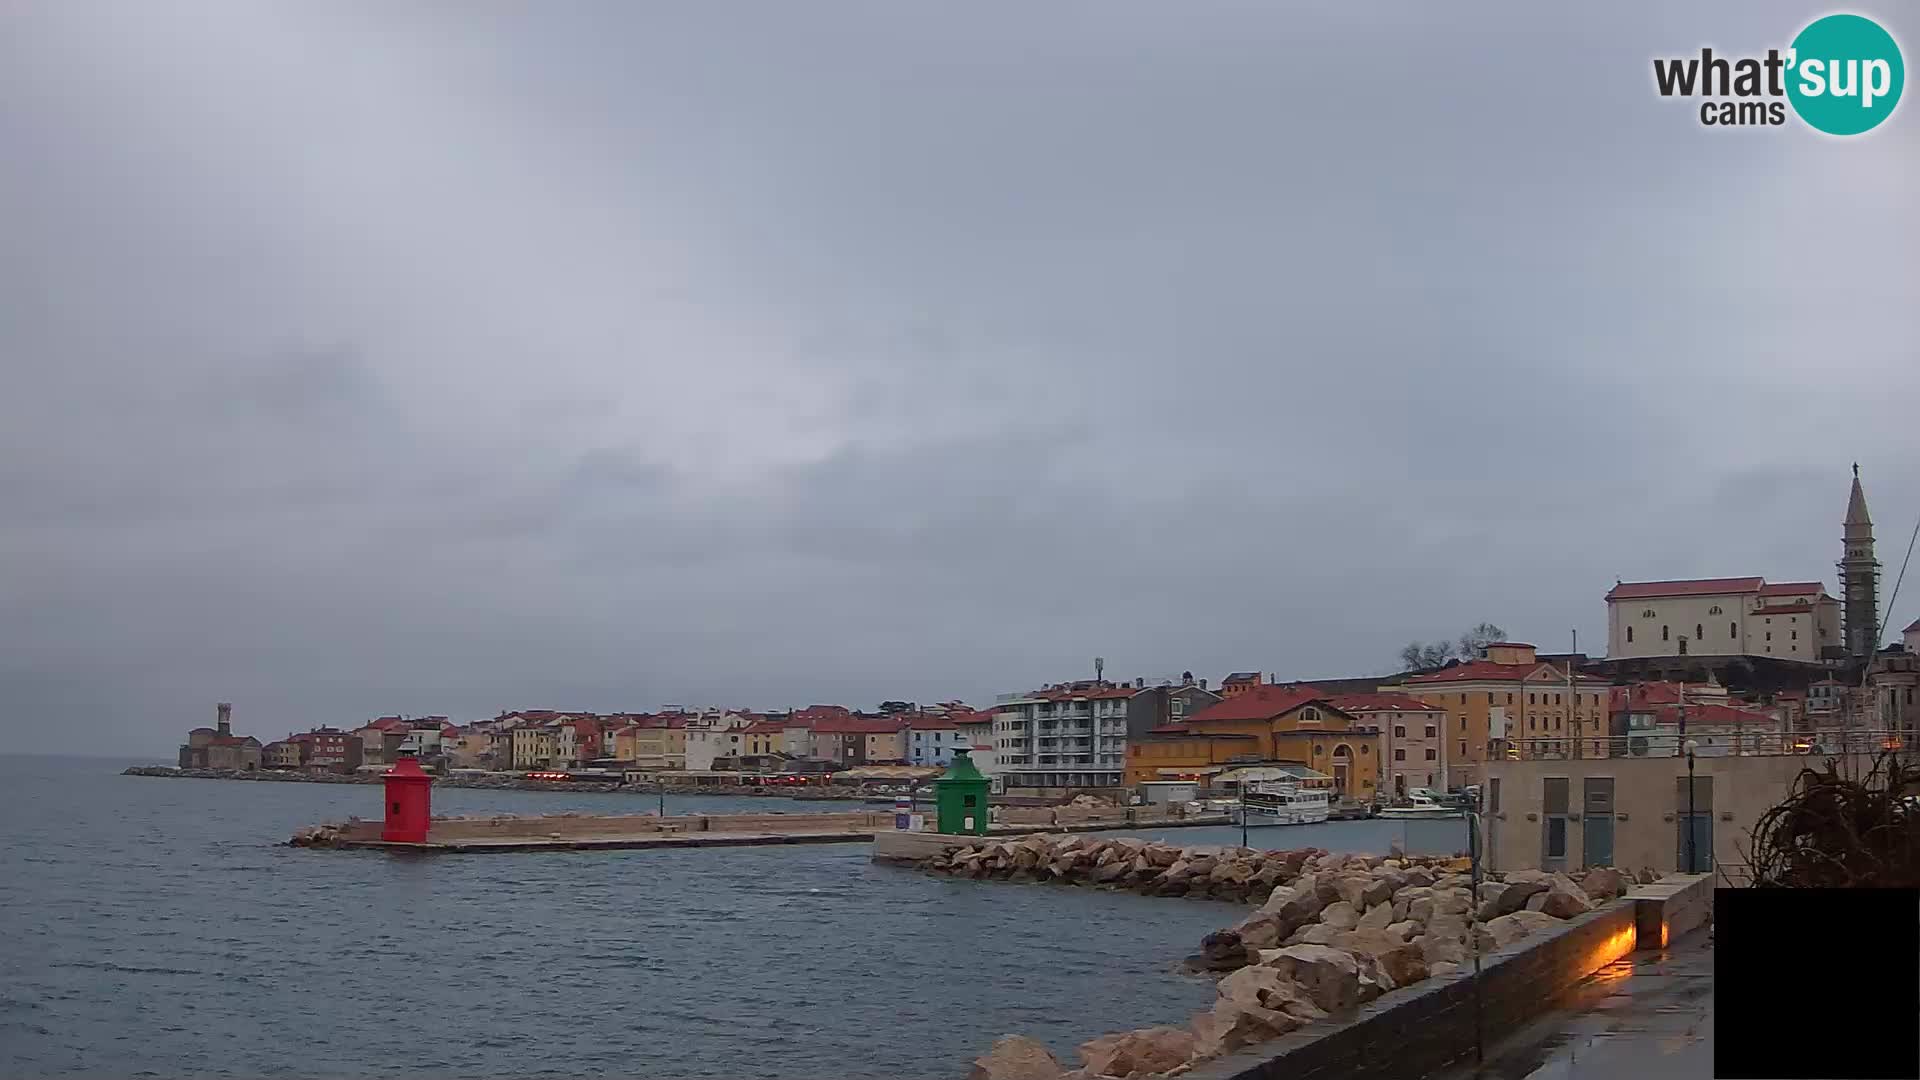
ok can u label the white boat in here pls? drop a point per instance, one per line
(1420, 804)
(1281, 802)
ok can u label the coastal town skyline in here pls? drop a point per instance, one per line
(1097, 667)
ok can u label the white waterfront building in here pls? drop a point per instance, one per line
(1073, 735)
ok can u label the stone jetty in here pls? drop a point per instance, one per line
(1332, 931)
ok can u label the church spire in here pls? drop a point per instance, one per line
(1859, 576)
(1857, 502)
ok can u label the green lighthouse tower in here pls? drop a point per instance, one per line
(960, 797)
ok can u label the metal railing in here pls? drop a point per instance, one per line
(1716, 741)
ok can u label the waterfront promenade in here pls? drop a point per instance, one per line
(1647, 1015)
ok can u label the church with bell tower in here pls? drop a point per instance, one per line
(1859, 577)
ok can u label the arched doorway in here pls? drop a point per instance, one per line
(1342, 768)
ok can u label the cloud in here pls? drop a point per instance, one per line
(361, 360)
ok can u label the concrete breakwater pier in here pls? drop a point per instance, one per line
(588, 832)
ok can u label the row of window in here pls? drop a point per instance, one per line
(1592, 699)
(1400, 753)
(1400, 731)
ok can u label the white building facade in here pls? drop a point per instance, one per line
(1721, 617)
(1073, 735)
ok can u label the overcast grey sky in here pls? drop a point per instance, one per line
(363, 358)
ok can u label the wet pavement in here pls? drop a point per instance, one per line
(1648, 1016)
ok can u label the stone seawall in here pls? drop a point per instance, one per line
(1333, 933)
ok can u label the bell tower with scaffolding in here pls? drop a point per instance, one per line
(1859, 577)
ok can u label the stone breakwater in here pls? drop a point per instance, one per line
(1332, 932)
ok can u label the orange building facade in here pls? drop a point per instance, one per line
(1265, 723)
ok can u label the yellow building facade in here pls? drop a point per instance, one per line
(1507, 698)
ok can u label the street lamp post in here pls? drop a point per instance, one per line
(1693, 856)
(1243, 813)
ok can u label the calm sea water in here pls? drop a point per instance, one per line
(156, 927)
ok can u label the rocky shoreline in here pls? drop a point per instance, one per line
(1332, 932)
(503, 782)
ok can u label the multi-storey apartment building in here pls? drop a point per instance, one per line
(1070, 735)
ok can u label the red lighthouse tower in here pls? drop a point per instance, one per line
(409, 803)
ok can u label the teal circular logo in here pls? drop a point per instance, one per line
(1845, 74)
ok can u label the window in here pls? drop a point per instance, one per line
(1795, 635)
(1714, 610)
(1698, 632)
(1733, 629)
(1509, 699)
(1433, 731)
(1365, 749)
(1489, 697)
(1532, 699)
(1769, 638)
(1463, 749)
(1319, 750)
(1663, 634)
(1553, 798)
(1557, 701)
(1400, 754)
(1463, 699)
(1629, 635)
(1399, 731)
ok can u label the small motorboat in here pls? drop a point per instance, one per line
(1420, 803)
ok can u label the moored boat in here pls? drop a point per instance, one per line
(1279, 802)
(1419, 804)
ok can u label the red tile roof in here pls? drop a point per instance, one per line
(764, 727)
(1714, 715)
(856, 725)
(1488, 671)
(1263, 702)
(813, 714)
(1792, 588)
(920, 722)
(1477, 671)
(1384, 702)
(1645, 590)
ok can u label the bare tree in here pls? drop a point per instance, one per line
(1476, 640)
(1427, 655)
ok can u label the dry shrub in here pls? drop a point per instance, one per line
(1835, 831)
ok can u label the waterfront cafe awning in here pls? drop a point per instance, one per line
(1246, 774)
(888, 772)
